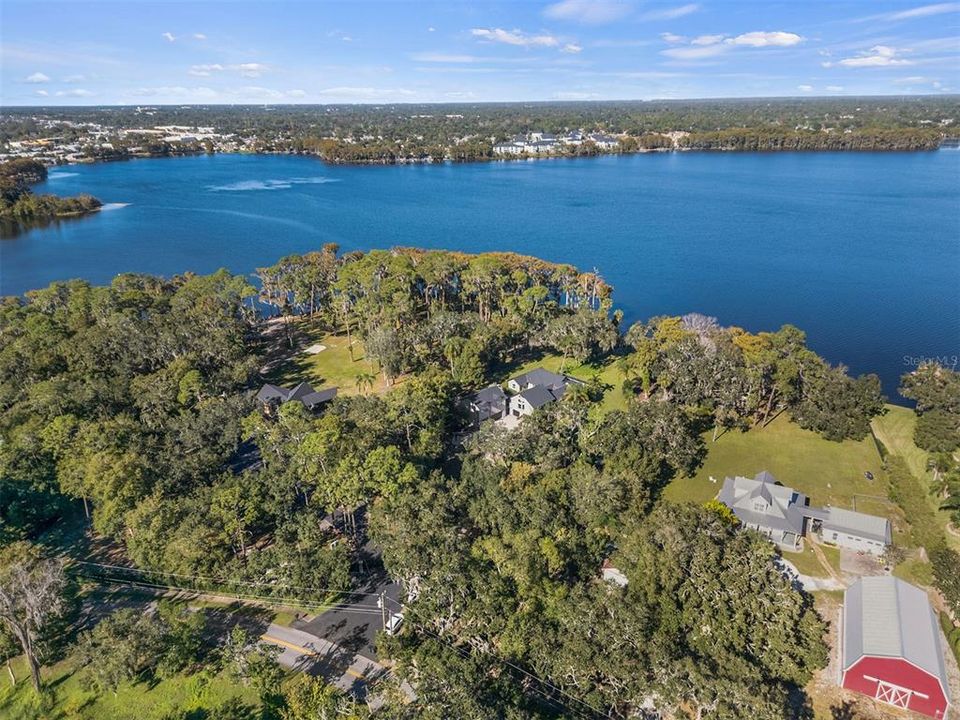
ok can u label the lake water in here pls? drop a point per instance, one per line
(860, 250)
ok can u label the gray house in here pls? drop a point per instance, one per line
(537, 388)
(785, 516)
(488, 404)
(272, 396)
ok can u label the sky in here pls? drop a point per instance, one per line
(150, 53)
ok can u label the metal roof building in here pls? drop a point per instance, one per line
(891, 646)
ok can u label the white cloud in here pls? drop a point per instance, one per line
(589, 12)
(805, 88)
(433, 57)
(37, 77)
(877, 56)
(169, 37)
(707, 39)
(766, 39)
(572, 48)
(696, 53)
(515, 37)
(204, 70)
(199, 36)
(708, 46)
(431, 29)
(77, 92)
(250, 70)
(671, 13)
(912, 13)
(41, 93)
(74, 78)
(296, 93)
(835, 88)
(672, 38)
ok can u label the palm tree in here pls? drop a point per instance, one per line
(365, 382)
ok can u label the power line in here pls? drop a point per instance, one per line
(312, 604)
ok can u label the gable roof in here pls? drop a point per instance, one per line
(540, 376)
(538, 396)
(856, 523)
(490, 395)
(762, 501)
(886, 617)
(319, 396)
(272, 392)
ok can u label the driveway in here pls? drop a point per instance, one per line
(307, 653)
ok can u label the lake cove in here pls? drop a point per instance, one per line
(860, 250)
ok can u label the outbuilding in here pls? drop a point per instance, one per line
(891, 648)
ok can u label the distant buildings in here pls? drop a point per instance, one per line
(784, 515)
(540, 143)
(890, 646)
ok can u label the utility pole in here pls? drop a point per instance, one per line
(383, 610)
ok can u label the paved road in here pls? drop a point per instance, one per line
(308, 653)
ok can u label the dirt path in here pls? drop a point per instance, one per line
(822, 559)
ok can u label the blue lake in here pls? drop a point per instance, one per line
(860, 250)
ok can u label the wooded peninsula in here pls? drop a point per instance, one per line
(141, 443)
(19, 206)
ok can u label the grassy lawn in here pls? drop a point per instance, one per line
(830, 473)
(607, 370)
(331, 367)
(65, 699)
(895, 430)
(807, 563)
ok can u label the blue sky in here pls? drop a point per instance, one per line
(92, 53)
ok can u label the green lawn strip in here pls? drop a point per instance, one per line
(829, 473)
(64, 698)
(895, 430)
(331, 367)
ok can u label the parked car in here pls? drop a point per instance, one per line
(394, 623)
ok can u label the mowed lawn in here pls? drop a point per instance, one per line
(65, 699)
(332, 367)
(829, 473)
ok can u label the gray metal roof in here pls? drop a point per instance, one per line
(271, 392)
(542, 376)
(761, 501)
(856, 523)
(886, 617)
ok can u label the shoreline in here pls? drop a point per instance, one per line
(510, 159)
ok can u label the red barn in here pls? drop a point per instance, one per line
(891, 646)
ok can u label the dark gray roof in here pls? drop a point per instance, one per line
(491, 394)
(540, 376)
(886, 617)
(268, 393)
(320, 396)
(538, 396)
(303, 392)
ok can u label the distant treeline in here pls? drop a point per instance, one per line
(763, 139)
(20, 206)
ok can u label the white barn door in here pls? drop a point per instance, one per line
(898, 696)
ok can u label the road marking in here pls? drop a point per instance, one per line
(307, 651)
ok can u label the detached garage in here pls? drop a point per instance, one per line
(891, 647)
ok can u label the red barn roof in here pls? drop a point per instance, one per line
(891, 646)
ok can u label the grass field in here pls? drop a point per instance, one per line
(65, 699)
(331, 367)
(807, 563)
(830, 473)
